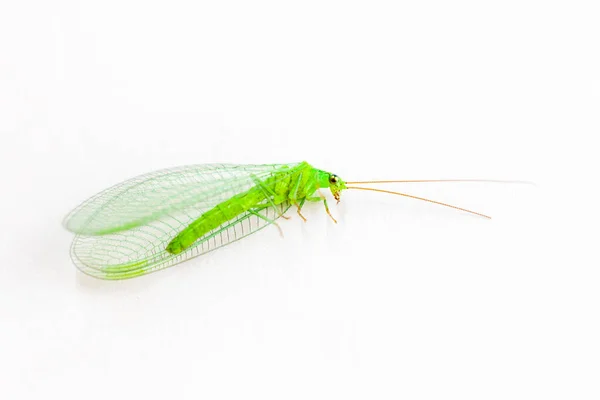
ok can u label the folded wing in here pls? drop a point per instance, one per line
(123, 231)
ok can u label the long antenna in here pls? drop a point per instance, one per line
(419, 198)
(441, 180)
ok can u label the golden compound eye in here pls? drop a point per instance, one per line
(333, 179)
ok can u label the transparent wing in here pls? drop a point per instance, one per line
(123, 232)
(147, 198)
(141, 250)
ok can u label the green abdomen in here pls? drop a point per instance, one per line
(211, 219)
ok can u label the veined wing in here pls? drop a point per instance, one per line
(147, 198)
(133, 246)
(141, 250)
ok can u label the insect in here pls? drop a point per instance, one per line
(160, 219)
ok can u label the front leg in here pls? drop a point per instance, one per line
(322, 198)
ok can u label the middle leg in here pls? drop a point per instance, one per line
(299, 205)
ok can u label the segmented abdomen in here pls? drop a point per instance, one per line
(214, 217)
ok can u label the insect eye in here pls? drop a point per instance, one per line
(333, 179)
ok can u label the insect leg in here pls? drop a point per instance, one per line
(268, 194)
(255, 211)
(293, 196)
(322, 198)
(299, 205)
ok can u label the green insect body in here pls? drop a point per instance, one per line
(294, 185)
(160, 219)
(163, 218)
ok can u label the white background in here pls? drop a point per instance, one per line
(401, 299)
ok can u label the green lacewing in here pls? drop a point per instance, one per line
(160, 219)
